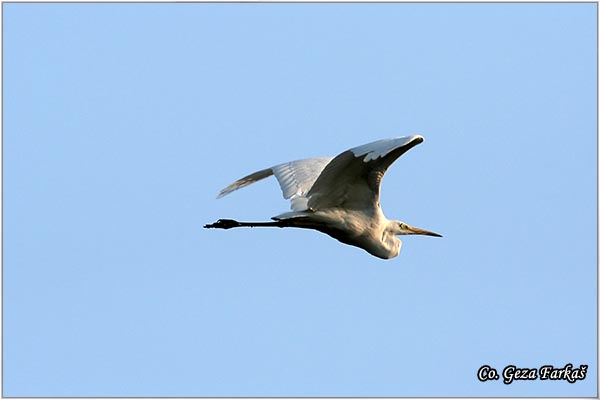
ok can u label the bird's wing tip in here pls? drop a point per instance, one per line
(381, 148)
(224, 192)
(245, 181)
(413, 138)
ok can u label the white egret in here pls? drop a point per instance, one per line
(338, 196)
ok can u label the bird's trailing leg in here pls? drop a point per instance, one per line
(231, 223)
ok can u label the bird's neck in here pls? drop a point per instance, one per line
(391, 243)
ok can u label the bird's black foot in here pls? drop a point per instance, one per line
(224, 224)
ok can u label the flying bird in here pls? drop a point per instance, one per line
(338, 196)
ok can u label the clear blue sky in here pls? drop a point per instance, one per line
(123, 121)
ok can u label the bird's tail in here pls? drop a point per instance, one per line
(231, 223)
(291, 214)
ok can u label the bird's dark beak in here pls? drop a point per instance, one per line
(411, 230)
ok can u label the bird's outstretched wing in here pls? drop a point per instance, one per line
(295, 179)
(352, 179)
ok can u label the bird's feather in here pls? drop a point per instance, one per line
(353, 178)
(382, 148)
(295, 179)
(245, 181)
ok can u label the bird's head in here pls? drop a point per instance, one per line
(400, 228)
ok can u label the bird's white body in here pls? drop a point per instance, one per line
(339, 196)
(367, 229)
